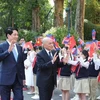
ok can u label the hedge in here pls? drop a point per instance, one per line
(88, 27)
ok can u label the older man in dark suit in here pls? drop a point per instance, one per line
(12, 67)
(47, 63)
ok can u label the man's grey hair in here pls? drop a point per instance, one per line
(44, 40)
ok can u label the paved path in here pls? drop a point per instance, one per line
(55, 95)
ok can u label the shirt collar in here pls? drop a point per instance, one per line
(47, 51)
(10, 42)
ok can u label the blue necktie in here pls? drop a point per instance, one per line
(15, 54)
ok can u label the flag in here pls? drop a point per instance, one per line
(93, 47)
(66, 39)
(69, 40)
(79, 47)
(93, 34)
(81, 42)
(72, 42)
(28, 45)
(51, 36)
(88, 44)
(38, 42)
(68, 36)
(56, 45)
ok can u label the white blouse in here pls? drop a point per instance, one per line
(96, 61)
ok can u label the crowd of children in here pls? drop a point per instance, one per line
(80, 74)
(86, 71)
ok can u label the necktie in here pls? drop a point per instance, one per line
(15, 54)
(50, 55)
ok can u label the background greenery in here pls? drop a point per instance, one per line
(20, 11)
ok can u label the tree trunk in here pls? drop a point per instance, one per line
(12, 19)
(79, 22)
(58, 15)
(35, 19)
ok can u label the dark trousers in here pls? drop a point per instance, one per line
(45, 92)
(16, 89)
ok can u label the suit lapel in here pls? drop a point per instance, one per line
(6, 48)
(47, 58)
(53, 52)
(6, 45)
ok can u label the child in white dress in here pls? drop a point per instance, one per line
(29, 70)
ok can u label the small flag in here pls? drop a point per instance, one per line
(28, 45)
(93, 47)
(51, 36)
(66, 39)
(79, 47)
(88, 44)
(56, 45)
(38, 42)
(72, 42)
(81, 42)
(93, 34)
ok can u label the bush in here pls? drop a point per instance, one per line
(28, 35)
(88, 27)
(2, 37)
(59, 33)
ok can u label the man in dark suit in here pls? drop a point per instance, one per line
(12, 68)
(47, 63)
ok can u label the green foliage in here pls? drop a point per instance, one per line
(25, 20)
(2, 37)
(88, 27)
(28, 35)
(46, 15)
(59, 33)
(73, 13)
(92, 11)
(19, 12)
(8, 12)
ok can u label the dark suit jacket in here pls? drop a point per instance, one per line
(46, 69)
(9, 67)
